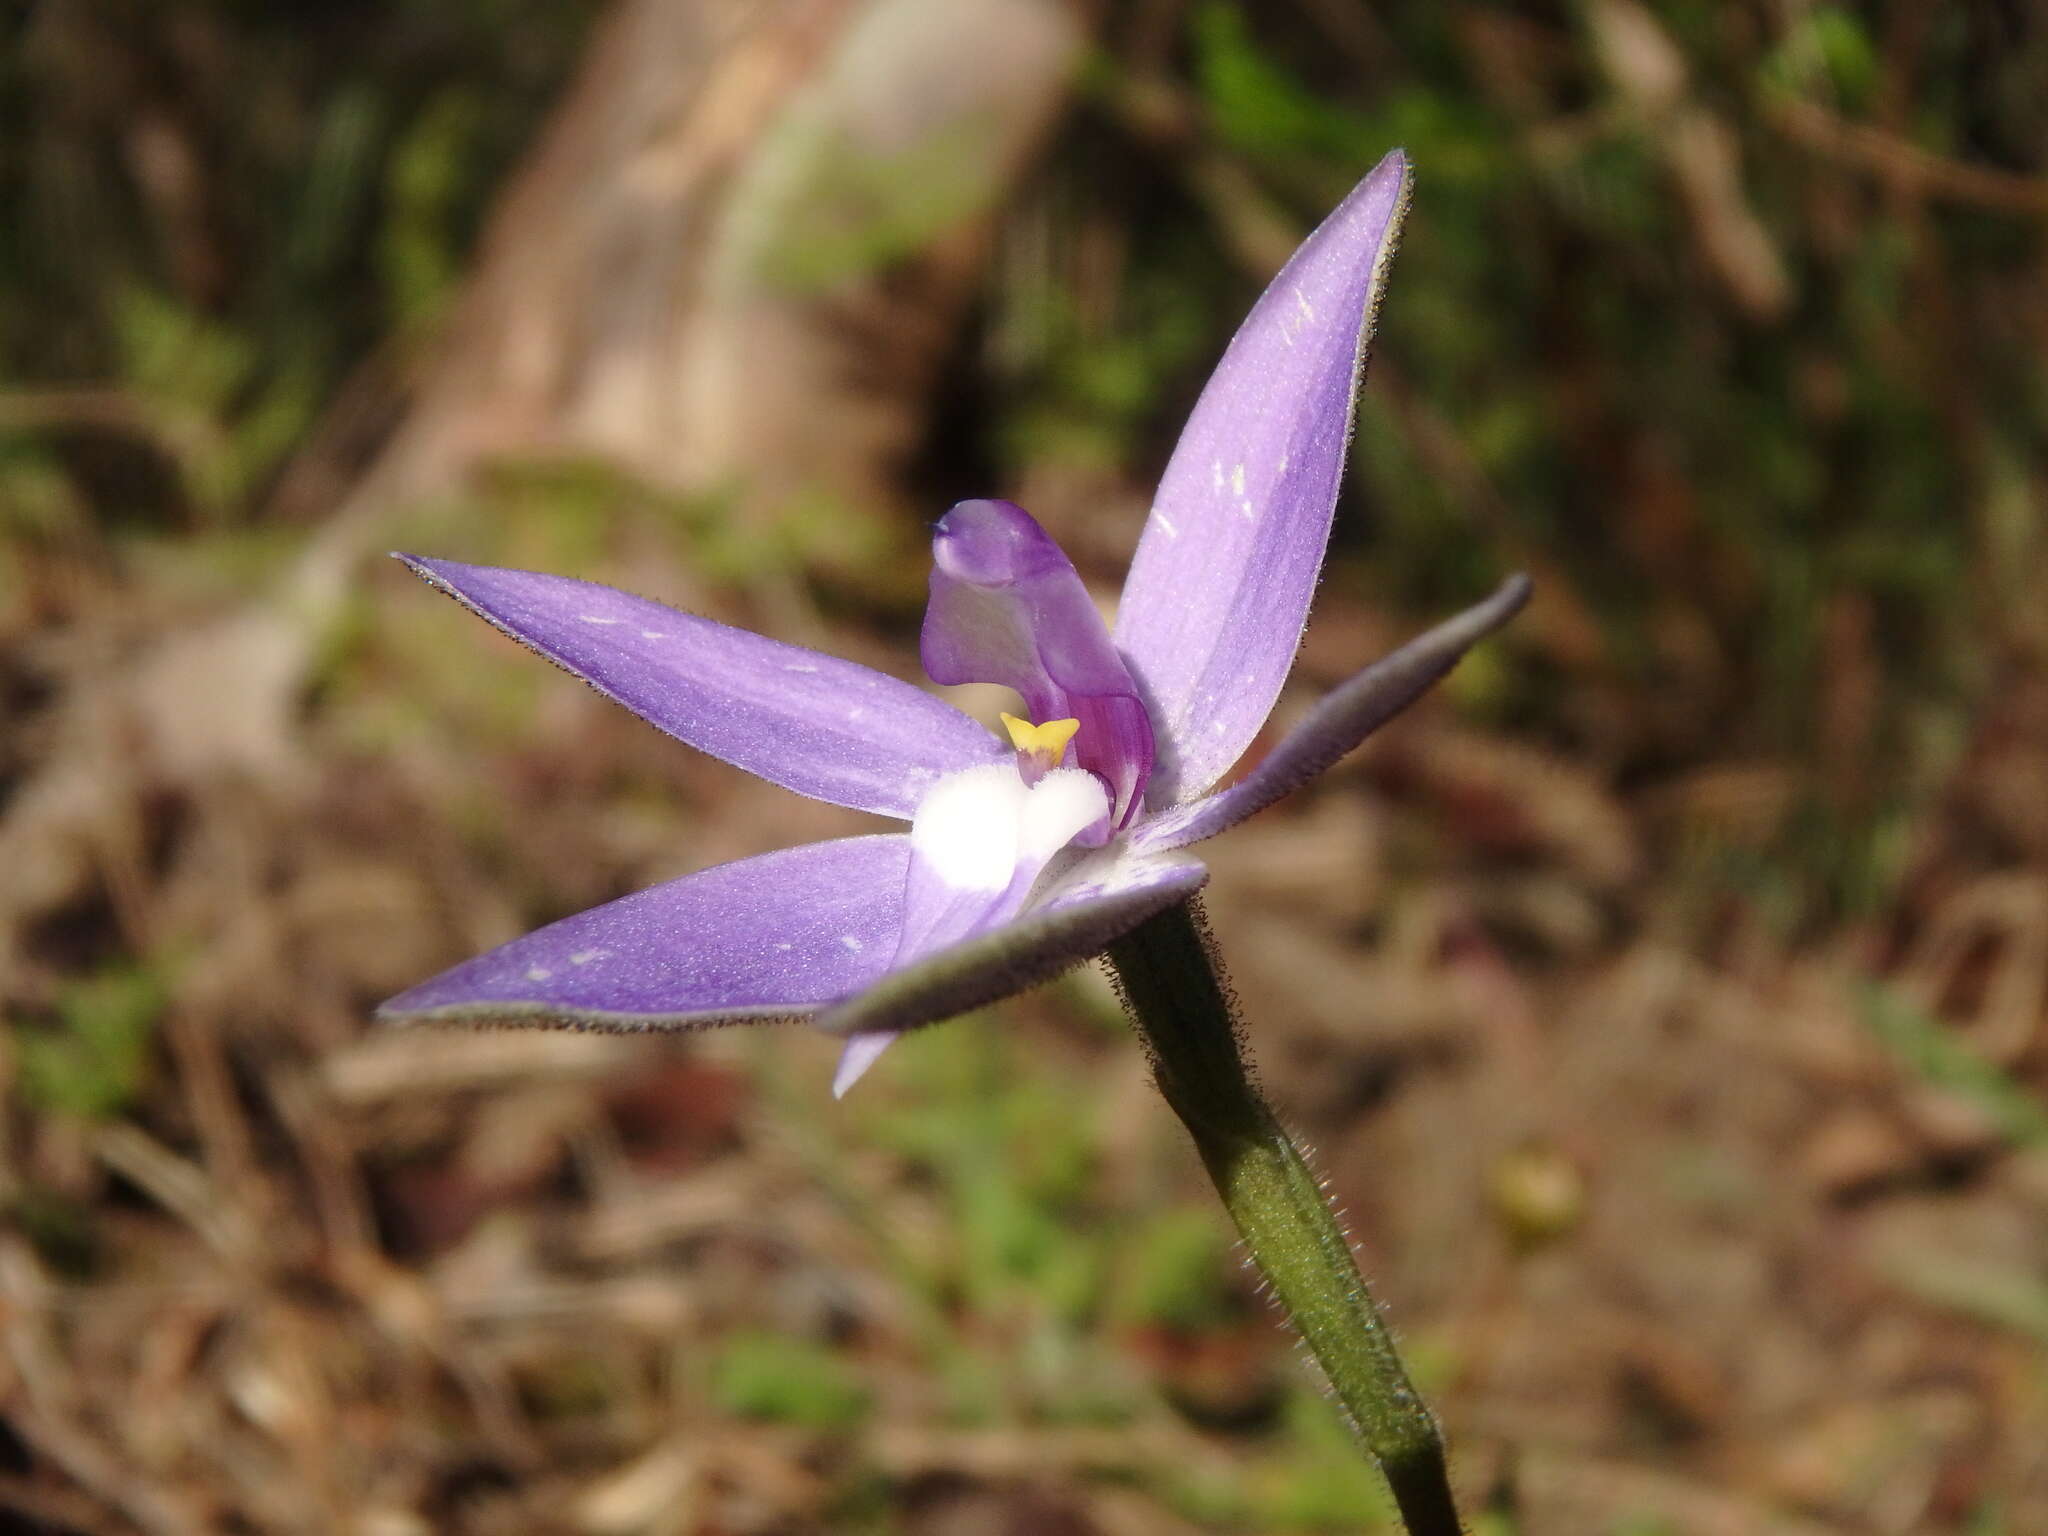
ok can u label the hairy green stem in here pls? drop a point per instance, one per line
(1169, 976)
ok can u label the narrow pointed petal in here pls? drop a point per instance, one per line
(774, 937)
(1220, 588)
(824, 727)
(858, 1054)
(1007, 606)
(1344, 718)
(1100, 900)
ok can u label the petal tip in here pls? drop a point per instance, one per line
(857, 1055)
(427, 570)
(1510, 597)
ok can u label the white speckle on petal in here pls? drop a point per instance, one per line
(784, 947)
(1308, 310)
(1166, 525)
(1237, 479)
(598, 618)
(1284, 461)
(1216, 473)
(653, 634)
(585, 956)
(538, 973)
(852, 943)
(1244, 509)
(855, 713)
(798, 666)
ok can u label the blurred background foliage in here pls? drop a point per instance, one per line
(218, 213)
(1725, 320)
(1768, 412)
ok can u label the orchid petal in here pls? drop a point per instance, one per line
(1220, 587)
(773, 937)
(1344, 718)
(824, 727)
(858, 1054)
(1007, 606)
(1100, 899)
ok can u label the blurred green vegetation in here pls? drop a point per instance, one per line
(785, 1380)
(1937, 1056)
(215, 211)
(1035, 1271)
(94, 1060)
(1747, 506)
(1764, 509)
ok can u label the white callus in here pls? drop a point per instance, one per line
(980, 840)
(978, 843)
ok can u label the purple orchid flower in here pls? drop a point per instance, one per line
(1023, 857)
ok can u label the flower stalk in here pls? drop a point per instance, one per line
(1167, 972)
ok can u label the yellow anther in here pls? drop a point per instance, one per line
(1048, 741)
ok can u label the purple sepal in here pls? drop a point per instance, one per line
(1220, 588)
(831, 729)
(1008, 607)
(1101, 899)
(1340, 721)
(778, 936)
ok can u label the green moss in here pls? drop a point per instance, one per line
(94, 1060)
(786, 1380)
